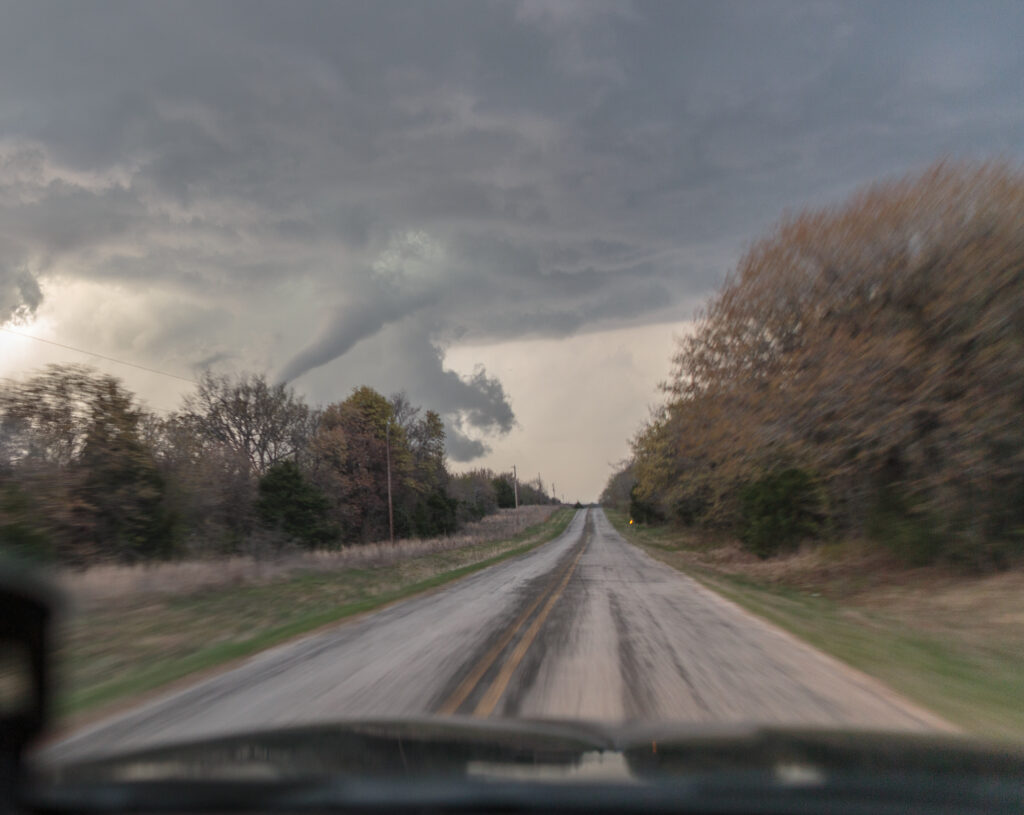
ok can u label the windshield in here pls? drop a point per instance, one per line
(614, 363)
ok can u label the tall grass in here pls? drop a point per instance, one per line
(101, 583)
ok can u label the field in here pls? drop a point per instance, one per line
(951, 642)
(131, 630)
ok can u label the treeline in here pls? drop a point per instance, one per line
(861, 373)
(87, 474)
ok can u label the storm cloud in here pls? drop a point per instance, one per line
(336, 193)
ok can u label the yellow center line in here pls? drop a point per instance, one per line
(466, 686)
(490, 699)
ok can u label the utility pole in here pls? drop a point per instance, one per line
(515, 485)
(391, 511)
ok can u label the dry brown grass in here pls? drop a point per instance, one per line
(846, 569)
(860, 575)
(100, 584)
(933, 598)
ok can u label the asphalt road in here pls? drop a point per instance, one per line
(586, 626)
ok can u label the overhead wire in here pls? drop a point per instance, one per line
(98, 356)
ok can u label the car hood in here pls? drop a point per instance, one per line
(472, 766)
(543, 750)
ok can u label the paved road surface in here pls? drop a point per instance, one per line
(585, 626)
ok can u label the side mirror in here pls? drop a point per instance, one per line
(26, 610)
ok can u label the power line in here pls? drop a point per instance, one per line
(98, 356)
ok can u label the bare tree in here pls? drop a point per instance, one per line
(265, 423)
(403, 410)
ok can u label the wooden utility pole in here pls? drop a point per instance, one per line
(515, 485)
(391, 511)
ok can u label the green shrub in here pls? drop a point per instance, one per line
(641, 511)
(434, 515)
(21, 533)
(297, 507)
(779, 510)
(899, 522)
(504, 492)
(974, 555)
(690, 508)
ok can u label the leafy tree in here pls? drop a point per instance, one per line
(121, 485)
(74, 446)
(426, 439)
(435, 514)
(778, 510)
(878, 344)
(504, 492)
(641, 511)
(351, 451)
(86, 474)
(294, 505)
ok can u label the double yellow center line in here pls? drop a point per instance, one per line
(492, 695)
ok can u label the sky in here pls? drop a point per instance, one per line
(510, 210)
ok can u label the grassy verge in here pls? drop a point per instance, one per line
(135, 645)
(953, 644)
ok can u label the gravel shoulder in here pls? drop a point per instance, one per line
(952, 643)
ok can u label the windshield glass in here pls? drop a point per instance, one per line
(614, 363)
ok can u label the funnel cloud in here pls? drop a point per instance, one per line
(345, 193)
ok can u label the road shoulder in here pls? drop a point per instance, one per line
(876, 651)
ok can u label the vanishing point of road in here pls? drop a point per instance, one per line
(586, 626)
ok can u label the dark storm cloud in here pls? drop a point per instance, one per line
(331, 176)
(19, 295)
(461, 448)
(471, 404)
